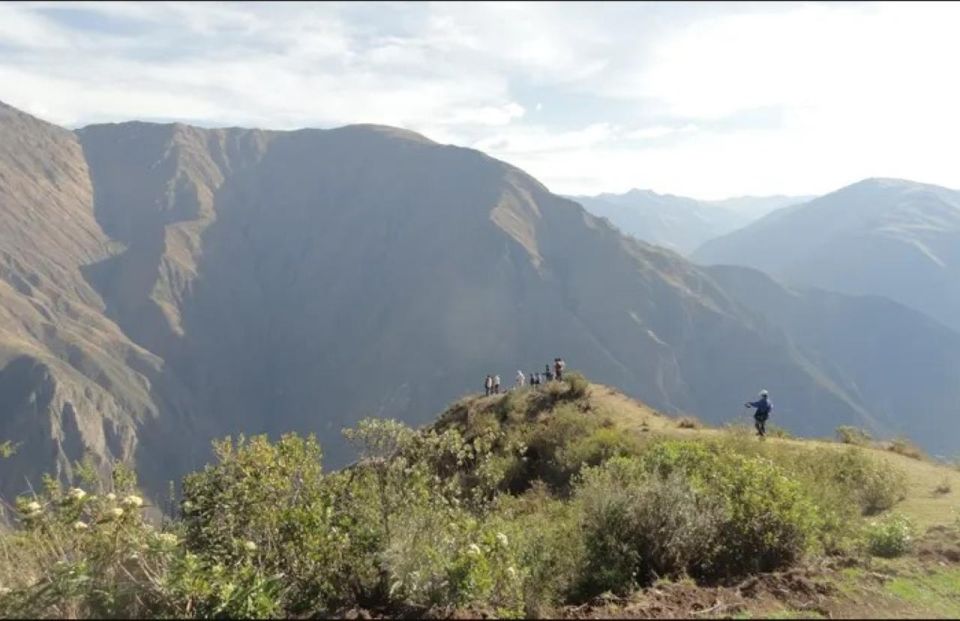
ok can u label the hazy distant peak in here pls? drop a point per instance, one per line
(890, 183)
(388, 130)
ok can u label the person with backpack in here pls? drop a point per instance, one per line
(488, 385)
(496, 384)
(521, 379)
(547, 373)
(535, 379)
(764, 407)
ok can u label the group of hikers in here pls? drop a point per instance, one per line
(491, 384)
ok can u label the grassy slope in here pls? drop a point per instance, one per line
(925, 584)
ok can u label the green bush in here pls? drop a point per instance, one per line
(450, 559)
(848, 480)
(853, 435)
(578, 385)
(889, 536)
(637, 526)
(271, 498)
(79, 553)
(691, 507)
(602, 444)
(770, 519)
(548, 445)
(549, 546)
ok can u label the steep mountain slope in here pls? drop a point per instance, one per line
(888, 237)
(676, 222)
(70, 380)
(166, 284)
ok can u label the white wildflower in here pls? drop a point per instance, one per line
(473, 550)
(76, 493)
(502, 540)
(79, 525)
(187, 506)
(132, 501)
(167, 539)
(32, 507)
(111, 496)
(116, 512)
(250, 546)
(512, 572)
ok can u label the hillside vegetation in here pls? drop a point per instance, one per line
(568, 500)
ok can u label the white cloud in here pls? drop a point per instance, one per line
(704, 99)
(659, 131)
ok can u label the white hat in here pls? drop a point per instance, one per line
(764, 393)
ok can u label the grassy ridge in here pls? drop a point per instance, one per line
(526, 504)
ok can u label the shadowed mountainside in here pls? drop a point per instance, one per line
(889, 237)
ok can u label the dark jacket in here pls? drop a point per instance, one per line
(764, 406)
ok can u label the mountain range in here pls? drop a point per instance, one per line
(162, 285)
(677, 222)
(888, 237)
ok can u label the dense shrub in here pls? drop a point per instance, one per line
(852, 474)
(578, 385)
(270, 498)
(602, 444)
(547, 445)
(689, 422)
(690, 507)
(769, 518)
(637, 527)
(77, 553)
(450, 559)
(549, 546)
(853, 435)
(889, 536)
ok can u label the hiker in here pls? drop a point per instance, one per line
(488, 384)
(496, 384)
(547, 373)
(521, 379)
(762, 414)
(534, 379)
(558, 366)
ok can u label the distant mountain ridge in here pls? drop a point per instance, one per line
(676, 222)
(161, 285)
(889, 237)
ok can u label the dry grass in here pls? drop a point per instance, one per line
(689, 422)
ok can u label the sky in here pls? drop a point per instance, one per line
(708, 100)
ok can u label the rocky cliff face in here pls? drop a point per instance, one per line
(164, 284)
